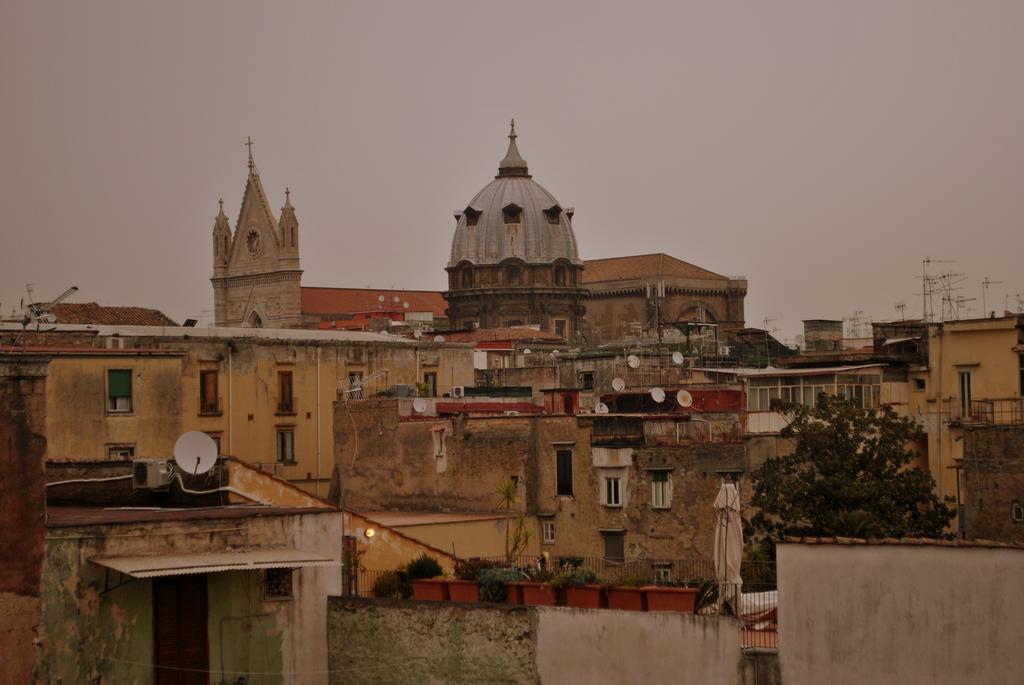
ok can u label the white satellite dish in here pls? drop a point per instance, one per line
(618, 385)
(417, 333)
(600, 408)
(439, 338)
(633, 361)
(419, 405)
(405, 305)
(397, 299)
(677, 358)
(554, 353)
(195, 452)
(527, 351)
(380, 298)
(658, 395)
(684, 398)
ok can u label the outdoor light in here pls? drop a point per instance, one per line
(370, 532)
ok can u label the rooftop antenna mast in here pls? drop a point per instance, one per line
(984, 291)
(928, 286)
(767, 347)
(947, 284)
(901, 307)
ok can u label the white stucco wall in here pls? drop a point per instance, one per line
(601, 646)
(900, 614)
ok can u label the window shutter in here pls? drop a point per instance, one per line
(119, 383)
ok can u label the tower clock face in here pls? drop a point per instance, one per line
(252, 241)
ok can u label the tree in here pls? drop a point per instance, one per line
(516, 538)
(849, 475)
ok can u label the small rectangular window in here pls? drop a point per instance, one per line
(564, 473)
(587, 380)
(277, 583)
(120, 451)
(560, 326)
(1018, 512)
(285, 400)
(438, 437)
(208, 400)
(660, 497)
(919, 384)
(119, 390)
(548, 532)
(430, 384)
(614, 545)
(964, 378)
(286, 446)
(612, 496)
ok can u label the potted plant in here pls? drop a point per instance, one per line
(427, 581)
(536, 589)
(464, 587)
(580, 588)
(499, 585)
(628, 594)
(669, 597)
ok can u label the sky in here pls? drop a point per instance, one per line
(820, 149)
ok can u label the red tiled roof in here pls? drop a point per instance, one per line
(642, 266)
(502, 335)
(92, 313)
(350, 300)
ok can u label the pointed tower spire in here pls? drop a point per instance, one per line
(513, 164)
(289, 224)
(252, 162)
(221, 240)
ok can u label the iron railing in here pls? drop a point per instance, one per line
(999, 412)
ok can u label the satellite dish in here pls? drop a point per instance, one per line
(527, 351)
(554, 353)
(677, 358)
(618, 385)
(419, 405)
(658, 395)
(684, 398)
(195, 452)
(380, 298)
(633, 361)
(405, 305)
(439, 338)
(417, 333)
(600, 408)
(397, 299)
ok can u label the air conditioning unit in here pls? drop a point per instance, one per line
(151, 474)
(458, 391)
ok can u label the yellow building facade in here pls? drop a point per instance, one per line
(975, 376)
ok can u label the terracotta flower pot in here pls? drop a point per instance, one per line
(584, 596)
(627, 598)
(679, 599)
(430, 589)
(466, 591)
(513, 593)
(539, 594)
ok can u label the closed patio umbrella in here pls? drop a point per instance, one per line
(728, 541)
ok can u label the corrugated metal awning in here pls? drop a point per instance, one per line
(211, 562)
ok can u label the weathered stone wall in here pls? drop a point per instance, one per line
(992, 482)
(22, 515)
(895, 614)
(373, 641)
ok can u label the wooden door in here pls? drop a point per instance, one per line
(180, 654)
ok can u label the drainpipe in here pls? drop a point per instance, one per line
(318, 421)
(231, 407)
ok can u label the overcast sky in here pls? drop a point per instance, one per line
(821, 149)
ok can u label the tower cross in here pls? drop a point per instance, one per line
(252, 164)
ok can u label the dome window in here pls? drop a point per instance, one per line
(472, 216)
(512, 213)
(559, 275)
(513, 276)
(553, 214)
(467, 278)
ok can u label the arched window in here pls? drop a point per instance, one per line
(254, 321)
(467, 278)
(513, 276)
(559, 275)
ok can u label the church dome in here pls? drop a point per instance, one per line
(514, 217)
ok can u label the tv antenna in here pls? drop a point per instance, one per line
(984, 291)
(195, 452)
(39, 312)
(901, 307)
(928, 282)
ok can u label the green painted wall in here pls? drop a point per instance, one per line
(88, 637)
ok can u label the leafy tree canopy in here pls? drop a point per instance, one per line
(849, 475)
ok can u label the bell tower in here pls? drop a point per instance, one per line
(257, 279)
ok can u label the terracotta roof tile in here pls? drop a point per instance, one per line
(92, 313)
(642, 266)
(351, 300)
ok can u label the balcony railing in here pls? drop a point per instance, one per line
(993, 412)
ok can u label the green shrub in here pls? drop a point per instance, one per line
(392, 585)
(492, 582)
(574, 578)
(424, 566)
